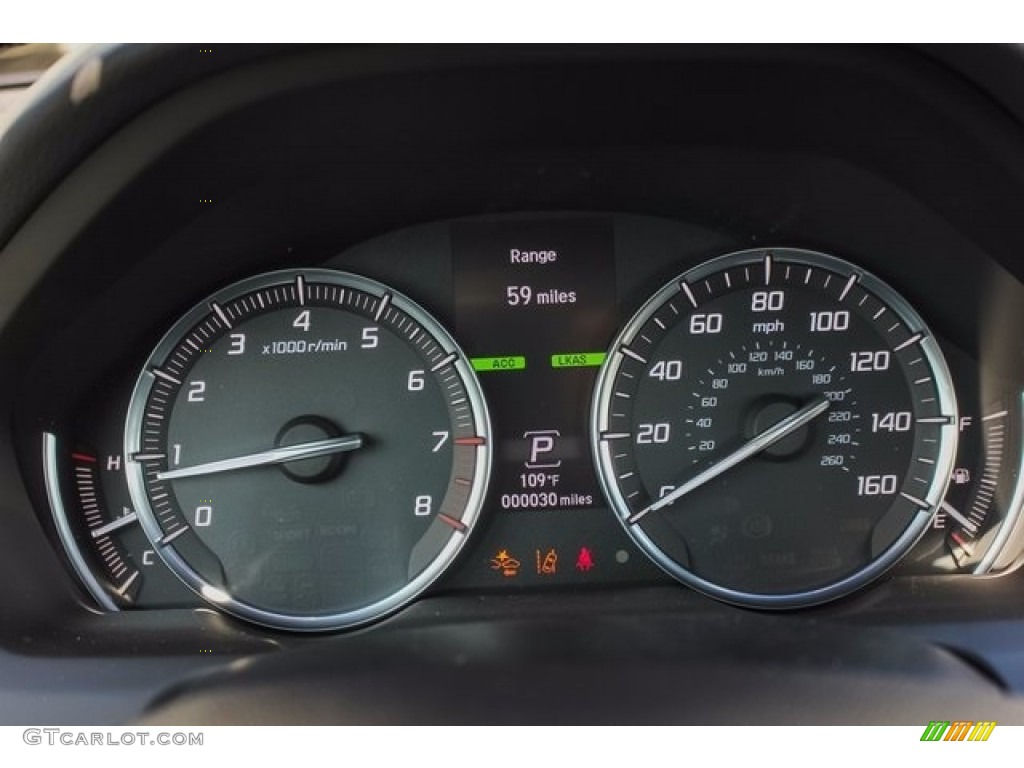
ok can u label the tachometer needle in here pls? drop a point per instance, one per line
(763, 440)
(281, 455)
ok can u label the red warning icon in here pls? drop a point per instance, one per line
(584, 560)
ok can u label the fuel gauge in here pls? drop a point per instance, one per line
(982, 501)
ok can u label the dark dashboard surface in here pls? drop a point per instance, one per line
(476, 181)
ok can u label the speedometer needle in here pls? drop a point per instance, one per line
(765, 439)
(281, 455)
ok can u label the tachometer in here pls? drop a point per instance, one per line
(775, 427)
(307, 449)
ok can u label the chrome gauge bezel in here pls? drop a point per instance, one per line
(323, 621)
(947, 405)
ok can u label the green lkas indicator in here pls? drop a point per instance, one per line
(489, 364)
(578, 359)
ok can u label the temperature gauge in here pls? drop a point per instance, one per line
(93, 513)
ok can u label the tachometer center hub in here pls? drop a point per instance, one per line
(308, 429)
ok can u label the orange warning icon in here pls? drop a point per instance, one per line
(505, 563)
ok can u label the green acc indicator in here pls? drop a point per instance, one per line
(578, 359)
(507, 363)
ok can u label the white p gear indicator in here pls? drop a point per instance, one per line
(542, 445)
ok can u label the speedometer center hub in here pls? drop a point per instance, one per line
(774, 411)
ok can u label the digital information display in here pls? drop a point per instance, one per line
(535, 310)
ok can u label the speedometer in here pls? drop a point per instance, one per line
(774, 427)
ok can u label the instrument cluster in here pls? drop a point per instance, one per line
(540, 400)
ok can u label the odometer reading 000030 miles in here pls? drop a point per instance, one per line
(774, 427)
